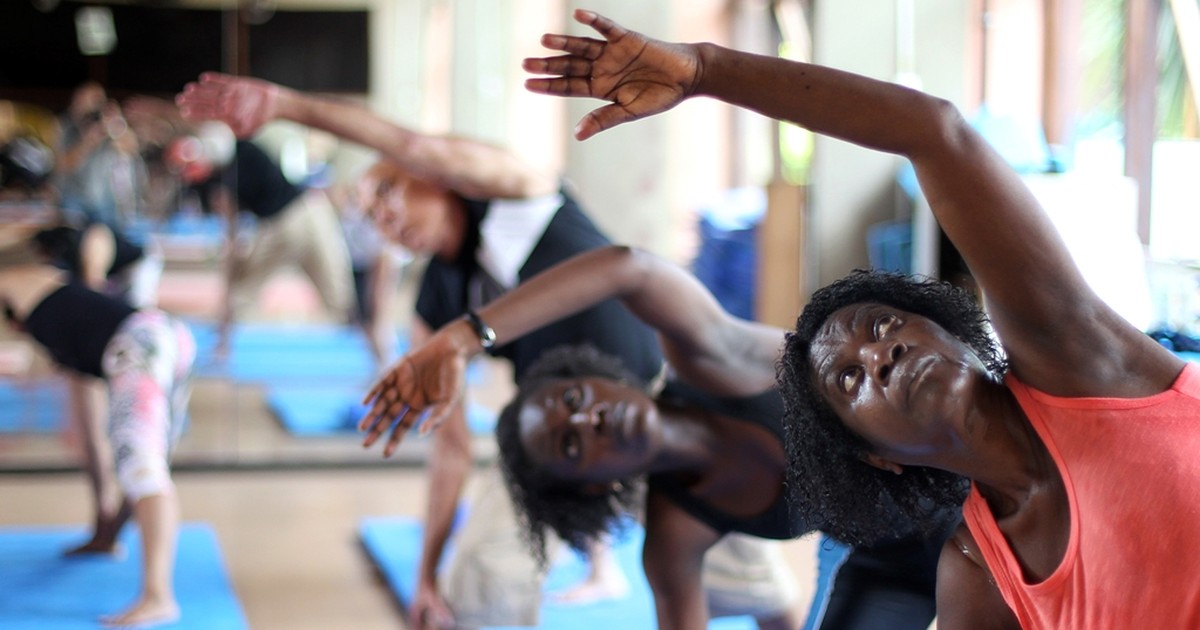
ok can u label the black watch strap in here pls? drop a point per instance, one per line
(487, 336)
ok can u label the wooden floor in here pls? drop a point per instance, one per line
(288, 537)
(285, 509)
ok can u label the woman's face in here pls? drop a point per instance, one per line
(591, 430)
(407, 211)
(898, 379)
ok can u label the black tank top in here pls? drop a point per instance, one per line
(75, 324)
(445, 295)
(256, 180)
(64, 246)
(765, 410)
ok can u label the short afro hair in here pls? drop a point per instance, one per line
(829, 482)
(544, 502)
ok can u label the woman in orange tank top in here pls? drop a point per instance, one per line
(1070, 441)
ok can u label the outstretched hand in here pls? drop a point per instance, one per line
(242, 103)
(428, 382)
(641, 76)
(429, 611)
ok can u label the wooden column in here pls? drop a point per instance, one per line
(1141, 86)
(781, 289)
(1061, 69)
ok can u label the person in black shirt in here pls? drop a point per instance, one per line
(487, 220)
(583, 433)
(294, 225)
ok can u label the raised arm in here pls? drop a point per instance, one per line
(706, 345)
(673, 559)
(469, 167)
(1048, 318)
(97, 248)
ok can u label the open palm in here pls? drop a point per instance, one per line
(638, 75)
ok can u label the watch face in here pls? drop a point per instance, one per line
(487, 336)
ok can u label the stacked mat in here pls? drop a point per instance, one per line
(315, 375)
(32, 406)
(394, 544)
(324, 409)
(40, 589)
(268, 354)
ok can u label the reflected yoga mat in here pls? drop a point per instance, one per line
(265, 353)
(394, 544)
(32, 406)
(318, 410)
(40, 589)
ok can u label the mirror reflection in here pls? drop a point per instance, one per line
(264, 246)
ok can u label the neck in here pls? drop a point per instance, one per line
(455, 228)
(691, 441)
(1010, 462)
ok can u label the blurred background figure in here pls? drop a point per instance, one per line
(294, 225)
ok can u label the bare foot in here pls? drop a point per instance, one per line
(611, 585)
(144, 614)
(98, 547)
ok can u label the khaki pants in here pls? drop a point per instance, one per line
(492, 580)
(307, 234)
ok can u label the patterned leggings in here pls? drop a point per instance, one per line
(147, 365)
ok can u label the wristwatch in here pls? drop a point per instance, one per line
(487, 336)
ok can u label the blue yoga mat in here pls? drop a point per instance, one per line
(278, 353)
(312, 410)
(313, 354)
(32, 406)
(394, 543)
(40, 589)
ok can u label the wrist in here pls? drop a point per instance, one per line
(485, 336)
(287, 103)
(461, 338)
(705, 56)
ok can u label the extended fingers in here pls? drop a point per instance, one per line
(216, 78)
(198, 101)
(600, 119)
(606, 27)
(585, 47)
(397, 418)
(560, 87)
(566, 66)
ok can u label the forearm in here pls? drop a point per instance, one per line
(984, 208)
(223, 206)
(97, 251)
(381, 286)
(380, 323)
(828, 101)
(343, 119)
(449, 466)
(679, 601)
(659, 293)
(470, 167)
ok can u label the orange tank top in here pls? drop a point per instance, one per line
(1131, 469)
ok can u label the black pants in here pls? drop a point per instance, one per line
(889, 586)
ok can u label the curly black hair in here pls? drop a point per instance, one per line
(543, 502)
(827, 478)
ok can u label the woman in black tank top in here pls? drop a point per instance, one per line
(581, 431)
(144, 358)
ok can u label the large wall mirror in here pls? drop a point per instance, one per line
(286, 389)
